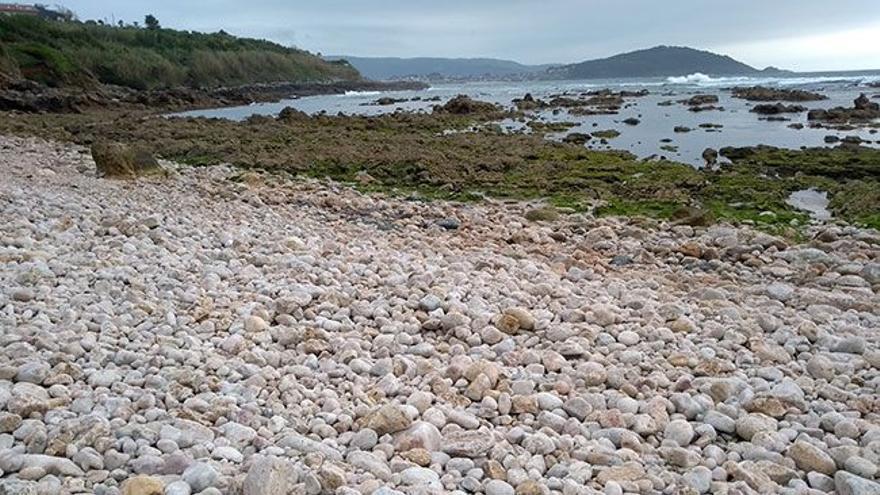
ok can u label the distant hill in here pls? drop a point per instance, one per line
(88, 53)
(387, 68)
(660, 61)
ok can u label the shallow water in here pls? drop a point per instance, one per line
(740, 127)
(811, 200)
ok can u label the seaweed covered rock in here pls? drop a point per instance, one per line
(864, 103)
(693, 216)
(116, 160)
(529, 102)
(711, 156)
(699, 100)
(290, 114)
(777, 108)
(863, 110)
(761, 93)
(543, 214)
(465, 105)
(577, 138)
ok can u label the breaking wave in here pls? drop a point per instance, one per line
(361, 93)
(700, 79)
(695, 78)
(703, 80)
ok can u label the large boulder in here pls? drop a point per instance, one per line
(761, 93)
(699, 100)
(863, 110)
(464, 105)
(290, 114)
(116, 160)
(777, 108)
(864, 103)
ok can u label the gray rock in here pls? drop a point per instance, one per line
(449, 223)
(780, 291)
(849, 484)
(420, 435)
(747, 426)
(699, 478)
(577, 407)
(811, 458)
(498, 487)
(104, 378)
(430, 302)
(370, 463)
(17, 487)
(58, 466)
(180, 488)
(33, 372)
(307, 445)
(721, 422)
(680, 432)
(365, 439)
(419, 477)
(200, 476)
(860, 467)
(851, 345)
(267, 476)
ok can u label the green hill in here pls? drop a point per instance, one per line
(660, 61)
(85, 54)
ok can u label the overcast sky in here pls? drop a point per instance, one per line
(793, 34)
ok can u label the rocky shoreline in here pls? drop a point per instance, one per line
(31, 97)
(219, 331)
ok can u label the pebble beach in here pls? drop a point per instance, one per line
(226, 332)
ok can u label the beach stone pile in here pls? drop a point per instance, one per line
(213, 333)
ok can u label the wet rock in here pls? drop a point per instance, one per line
(777, 108)
(760, 93)
(464, 105)
(578, 138)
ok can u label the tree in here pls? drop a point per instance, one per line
(151, 22)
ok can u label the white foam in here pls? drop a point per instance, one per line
(700, 79)
(695, 78)
(361, 93)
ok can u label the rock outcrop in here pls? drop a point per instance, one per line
(119, 161)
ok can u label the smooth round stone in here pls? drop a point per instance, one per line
(699, 478)
(200, 476)
(498, 487)
(680, 432)
(628, 337)
(365, 439)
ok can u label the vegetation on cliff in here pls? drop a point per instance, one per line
(85, 54)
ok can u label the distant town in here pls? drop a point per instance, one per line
(36, 10)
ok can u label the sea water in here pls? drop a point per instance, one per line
(740, 127)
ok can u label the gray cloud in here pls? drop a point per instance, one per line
(526, 30)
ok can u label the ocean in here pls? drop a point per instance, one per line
(654, 136)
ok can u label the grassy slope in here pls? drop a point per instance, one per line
(82, 54)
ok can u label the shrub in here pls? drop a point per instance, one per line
(57, 53)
